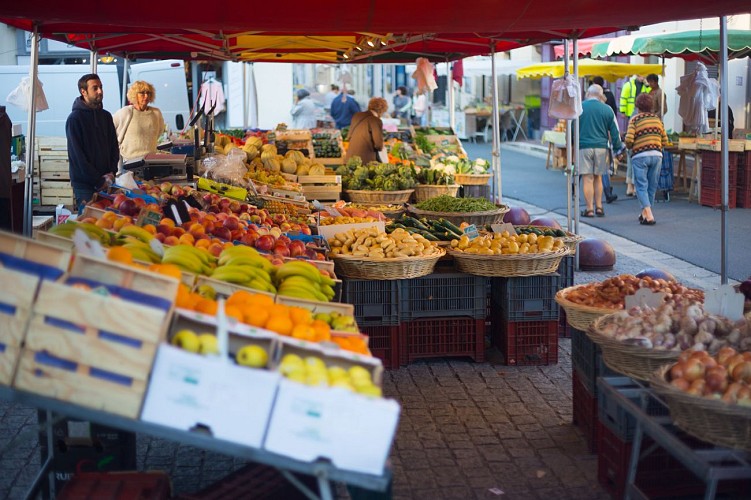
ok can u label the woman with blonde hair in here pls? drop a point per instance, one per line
(366, 131)
(138, 125)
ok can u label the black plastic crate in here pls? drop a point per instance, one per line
(584, 359)
(443, 337)
(566, 272)
(443, 294)
(613, 416)
(529, 298)
(376, 301)
(564, 329)
(384, 343)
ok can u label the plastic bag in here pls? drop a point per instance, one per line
(565, 99)
(21, 95)
(126, 180)
(228, 169)
(424, 75)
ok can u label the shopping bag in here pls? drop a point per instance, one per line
(21, 95)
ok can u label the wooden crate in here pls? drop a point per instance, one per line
(90, 349)
(687, 142)
(734, 145)
(55, 240)
(53, 169)
(35, 251)
(113, 273)
(53, 201)
(321, 187)
(17, 302)
(56, 188)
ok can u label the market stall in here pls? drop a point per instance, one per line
(420, 314)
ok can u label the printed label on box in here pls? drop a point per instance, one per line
(471, 232)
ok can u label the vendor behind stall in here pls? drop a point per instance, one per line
(92, 140)
(138, 125)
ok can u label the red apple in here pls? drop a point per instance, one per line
(296, 248)
(245, 216)
(128, 207)
(166, 187)
(244, 207)
(237, 234)
(281, 250)
(164, 229)
(234, 206)
(232, 223)
(160, 236)
(223, 233)
(285, 239)
(265, 242)
(249, 238)
(177, 191)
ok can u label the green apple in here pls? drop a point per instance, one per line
(187, 339)
(208, 343)
(315, 363)
(338, 373)
(292, 363)
(253, 356)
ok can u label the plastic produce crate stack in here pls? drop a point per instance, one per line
(566, 271)
(743, 181)
(443, 337)
(118, 486)
(585, 411)
(524, 324)
(384, 343)
(376, 301)
(711, 179)
(586, 360)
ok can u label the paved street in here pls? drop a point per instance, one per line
(467, 430)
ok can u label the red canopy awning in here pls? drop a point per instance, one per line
(447, 30)
(584, 47)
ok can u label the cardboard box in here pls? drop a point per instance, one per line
(189, 391)
(308, 423)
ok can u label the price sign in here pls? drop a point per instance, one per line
(725, 301)
(471, 232)
(148, 217)
(506, 226)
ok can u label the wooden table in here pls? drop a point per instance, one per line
(556, 149)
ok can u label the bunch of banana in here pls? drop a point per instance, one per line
(189, 258)
(244, 266)
(304, 281)
(140, 250)
(338, 321)
(135, 232)
(94, 232)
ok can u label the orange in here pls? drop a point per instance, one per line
(304, 332)
(240, 297)
(206, 306)
(166, 221)
(261, 301)
(280, 324)
(322, 329)
(186, 239)
(300, 316)
(233, 312)
(104, 223)
(255, 317)
(202, 243)
(150, 228)
(184, 298)
(120, 254)
(167, 270)
(279, 310)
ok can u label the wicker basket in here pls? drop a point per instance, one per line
(385, 269)
(379, 197)
(476, 218)
(509, 265)
(426, 191)
(472, 179)
(710, 420)
(631, 360)
(577, 315)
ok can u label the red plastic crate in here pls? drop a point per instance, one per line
(527, 343)
(256, 481)
(709, 197)
(443, 337)
(743, 179)
(117, 486)
(585, 412)
(743, 197)
(713, 178)
(384, 344)
(712, 160)
(658, 474)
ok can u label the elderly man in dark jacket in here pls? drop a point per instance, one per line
(92, 140)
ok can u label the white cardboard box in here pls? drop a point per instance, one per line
(187, 390)
(353, 431)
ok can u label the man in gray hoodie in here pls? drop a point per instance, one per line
(92, 140)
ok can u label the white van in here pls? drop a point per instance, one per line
(169, 81)
(60, 85)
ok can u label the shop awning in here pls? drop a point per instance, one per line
(692, 44)
(584, 47)
(610, 71)
(294, 31)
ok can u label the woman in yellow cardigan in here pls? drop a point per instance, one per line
(646, 137)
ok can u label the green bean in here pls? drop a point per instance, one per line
(446, 203)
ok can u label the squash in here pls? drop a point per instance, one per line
(296, 156)
(251, 151)
(303, 169)
(289, 166)
(254, 141)
(317, 169)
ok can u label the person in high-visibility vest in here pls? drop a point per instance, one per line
(630, 91)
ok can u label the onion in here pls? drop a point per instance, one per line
(693, 370)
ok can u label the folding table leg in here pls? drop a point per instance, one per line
(633, 462)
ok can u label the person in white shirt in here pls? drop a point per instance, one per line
(304, 111)
(138, 125)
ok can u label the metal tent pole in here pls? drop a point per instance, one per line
(124, 98)
(245, 95)
(723, 113)
(28, 188)
(94, 55)
(569, 182)
(575, 145)
(496, 130)
(452, 116)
